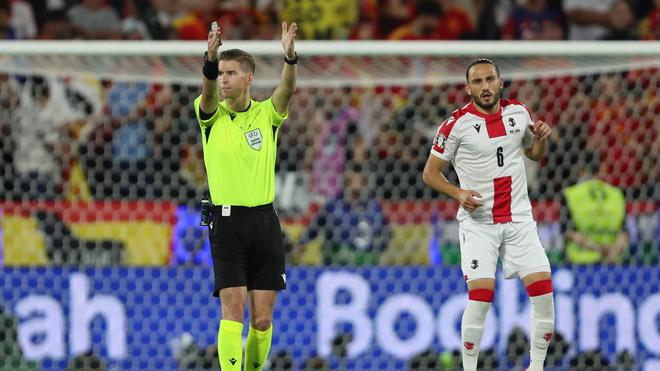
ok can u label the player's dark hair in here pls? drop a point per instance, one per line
(244, 58)
(481, 61)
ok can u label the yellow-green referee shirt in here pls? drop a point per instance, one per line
(239, 153)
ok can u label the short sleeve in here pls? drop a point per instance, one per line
(528, 137)
(445, 142)
(277, 119)
(209, 121)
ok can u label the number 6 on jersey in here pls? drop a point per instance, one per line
(500, 157)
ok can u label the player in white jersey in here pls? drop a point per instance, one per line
(485, 142)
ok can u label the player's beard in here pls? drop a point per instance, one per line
(487, 106)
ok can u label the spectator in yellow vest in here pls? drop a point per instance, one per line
(593, 217)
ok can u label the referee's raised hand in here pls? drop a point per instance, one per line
(214, 43)
(288, 37)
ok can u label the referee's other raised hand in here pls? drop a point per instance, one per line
(288, 38)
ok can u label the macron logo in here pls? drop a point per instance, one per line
(284, 278)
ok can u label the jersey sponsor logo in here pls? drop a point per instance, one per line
(468, 345)
(547, 337)
(232, 361)
(477, 127)
(255, 364)
(284, 277)
(254, 139)
(475, 264)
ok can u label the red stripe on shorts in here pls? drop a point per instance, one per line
(502, 201)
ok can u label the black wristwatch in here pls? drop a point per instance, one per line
(291, 61)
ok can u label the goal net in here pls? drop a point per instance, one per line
(103, 167)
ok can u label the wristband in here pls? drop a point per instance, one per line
(291, 61)
(210, 69)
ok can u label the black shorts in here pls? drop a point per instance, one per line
(247, 249)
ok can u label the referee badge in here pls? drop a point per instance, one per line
(254, 139)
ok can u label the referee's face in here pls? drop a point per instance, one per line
(484, 85)
(233, 80)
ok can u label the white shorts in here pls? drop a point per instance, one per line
(517, 243)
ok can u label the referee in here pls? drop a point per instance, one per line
(239, 140)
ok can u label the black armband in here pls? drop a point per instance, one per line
(210, 69)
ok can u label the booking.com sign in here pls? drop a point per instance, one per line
(129, 315)
(578, 317)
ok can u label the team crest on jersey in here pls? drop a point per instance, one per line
(440, 141)
(254, 139)
(512, 124)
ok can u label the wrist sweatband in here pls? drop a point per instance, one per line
(210, 69)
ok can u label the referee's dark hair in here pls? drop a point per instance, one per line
(244, 58)
(481, 61)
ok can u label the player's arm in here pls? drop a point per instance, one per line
(284, 91)
(433, 177)
(539, 148)
(209, 102)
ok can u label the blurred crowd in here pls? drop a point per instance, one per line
(333, 19)
(351, 151)
(102, 139)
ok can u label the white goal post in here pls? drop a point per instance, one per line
(328, 63)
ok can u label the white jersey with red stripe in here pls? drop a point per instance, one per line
(487, 153)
